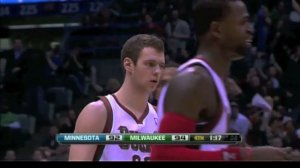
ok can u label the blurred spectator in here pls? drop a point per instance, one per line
(292, 80)
(111, 86)
(177, 32)
(12, 135)
(150, 27)
(261, 61)
(93, 80)
(168, 73)
(239, 122)
(12, 74)
(296, 57)
(255, 135)
(105, 18)
(10, 155)
(50, 147)
(263, 21)
(289, 132)
(77, 71)
(65, 125)
(278, 12)
(276, 142)
(239, 70)
(251, 73)
(161, 11)
(38, 156)
(297, 140)
(128, 7)
(67, 122)
(253, 87)
(274, 76)
(72, 117)
(33, 64)
(50, 143)
(233, 90)
(252, 6)
(295, 14)
(270, 102)
(275, 129)
(89, 20)
(55, 63)
(277, 114)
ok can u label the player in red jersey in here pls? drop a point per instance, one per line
(196, 97)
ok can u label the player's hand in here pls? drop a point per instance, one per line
(269, 153)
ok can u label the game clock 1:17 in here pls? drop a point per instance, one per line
(215, 137)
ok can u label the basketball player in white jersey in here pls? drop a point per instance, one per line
(127, 110)
(195, 100)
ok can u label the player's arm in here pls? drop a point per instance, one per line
(92, 119)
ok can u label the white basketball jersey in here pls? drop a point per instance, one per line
(124, 121)
(221, 124)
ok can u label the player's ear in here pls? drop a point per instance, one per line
(215, 29)
(128, 64)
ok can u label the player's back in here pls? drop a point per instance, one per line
(219, 123)
(122, 120)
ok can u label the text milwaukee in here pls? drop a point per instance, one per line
(147, 138)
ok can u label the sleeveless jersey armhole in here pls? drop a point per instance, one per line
(107, 127)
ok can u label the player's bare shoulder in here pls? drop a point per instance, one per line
(92, 118)
(192, 80)
(188, 90)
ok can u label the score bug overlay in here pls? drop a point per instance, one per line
(188, 139)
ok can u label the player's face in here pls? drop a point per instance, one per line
(148, 69)
(238, 31)
(167, 75)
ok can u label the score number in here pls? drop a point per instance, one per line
(180, 137)
(113, 138)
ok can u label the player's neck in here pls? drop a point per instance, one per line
(218, 60)
(132, 97)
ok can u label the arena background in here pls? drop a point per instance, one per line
(37, 101)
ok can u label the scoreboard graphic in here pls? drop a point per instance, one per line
(188, 139)
(48, 7)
